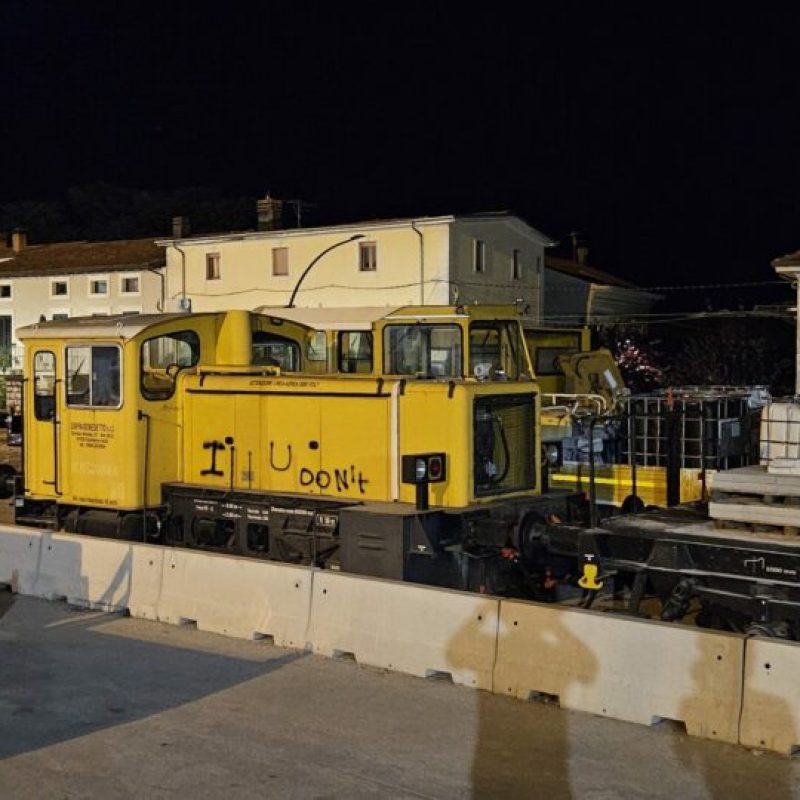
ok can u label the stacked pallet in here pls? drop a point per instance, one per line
(754, 498)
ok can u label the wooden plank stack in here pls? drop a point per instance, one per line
(753, 498)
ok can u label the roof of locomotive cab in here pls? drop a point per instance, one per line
(124, 326)
(120, 326)
(530, 324)
(355, 318)
(331, 318)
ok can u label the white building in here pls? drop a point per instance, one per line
(486, 258)
(75, 279)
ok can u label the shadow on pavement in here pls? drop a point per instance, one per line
(514, 762)
(778, 771)
(6, 600)
(63, 679)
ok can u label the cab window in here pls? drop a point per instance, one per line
(496, 350)
(547, 348)
(317, 352)
(547, 359)
(355, 352)
(271, 350)
(93, 376)
(162, 358)
(44, 377)
(426, 351)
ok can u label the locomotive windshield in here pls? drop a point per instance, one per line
(496, 350)
(272, 350)
(425, 351)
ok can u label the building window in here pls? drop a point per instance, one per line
(212, 266)
(5, 291)
(280, 260)
(516, 265)
(98, 286)
(60, 315)
(129, 284)
(5, 332)
(367, 256)
(479, 256)
(59, 288)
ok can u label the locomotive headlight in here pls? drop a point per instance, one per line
(436, 468)
(426, 468)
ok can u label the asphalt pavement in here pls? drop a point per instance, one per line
(94, 705)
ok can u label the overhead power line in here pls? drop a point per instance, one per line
(484, 285)
(694, 286)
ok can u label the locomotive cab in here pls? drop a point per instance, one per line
(414, 342)
(102, 410)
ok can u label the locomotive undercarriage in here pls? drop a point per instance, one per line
(471, 549)
(743, 583)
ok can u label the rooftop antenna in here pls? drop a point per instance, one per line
(575, 236)
(299, 207)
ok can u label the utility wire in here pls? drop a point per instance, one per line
(485, 285)
(655, 318)
(693, 286)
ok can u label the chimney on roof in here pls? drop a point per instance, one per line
(19, 240)
(270, 213)
(180, 227)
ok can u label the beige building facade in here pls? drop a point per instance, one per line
(484, 258)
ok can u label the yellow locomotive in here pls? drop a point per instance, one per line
(401, 443)
(411, 452)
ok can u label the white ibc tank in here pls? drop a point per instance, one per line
(780, 438)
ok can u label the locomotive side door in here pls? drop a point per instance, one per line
(42, 426)
(291, 443)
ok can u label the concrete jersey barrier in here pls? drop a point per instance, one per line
(771, 698)
(20, 551)
(404, 627)
(629, 669)
(240, 597)
(105, 574)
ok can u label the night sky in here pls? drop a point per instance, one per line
(669, 137)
